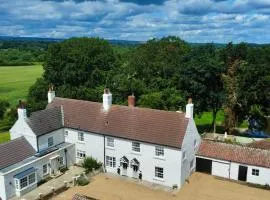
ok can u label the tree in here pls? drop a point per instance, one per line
(3, 108)
(233, 57)
(201, 79)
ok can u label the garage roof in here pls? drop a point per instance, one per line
(235, 153)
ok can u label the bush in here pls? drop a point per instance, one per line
(82, 181)
(90, 163)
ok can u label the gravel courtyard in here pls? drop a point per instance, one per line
(200, 187)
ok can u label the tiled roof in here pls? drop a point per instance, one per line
(234, 153)
(141, 124)
(263, 144)
(15, 151)
(45, 121)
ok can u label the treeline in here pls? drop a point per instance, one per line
(162, 74)
(17, 53)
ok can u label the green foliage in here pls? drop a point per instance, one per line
(256, 114)
(90, 163)
(3, 107)
(82, 181)
(4, 137)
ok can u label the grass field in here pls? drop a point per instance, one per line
(15, 81)
(4, 137)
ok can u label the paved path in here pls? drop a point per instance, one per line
(56, 183)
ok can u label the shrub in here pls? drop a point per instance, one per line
(90, 163)
(82, 181)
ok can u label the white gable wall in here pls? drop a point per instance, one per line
(21, 128)
(2, 189)
(58, 138)
(188, 146)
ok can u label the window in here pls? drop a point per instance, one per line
(159, 151)
(110, 161)
(45, 169)
(81, 154)
(81, 136)
(66, 133)
(184, 155)
(159, 172)
(24, 182)
(61, 161)
(50, 141)
(16, 184)
(110, 142)
(136, 146)
(32, 178)
(255, 172)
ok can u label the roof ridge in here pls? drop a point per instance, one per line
(123, 106)
(235, 145)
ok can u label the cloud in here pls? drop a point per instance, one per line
(192, 20)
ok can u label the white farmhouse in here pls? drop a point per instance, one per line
(152, 145)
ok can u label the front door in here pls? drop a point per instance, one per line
(124, 169)
(242, 173)
(54, 166)
(135, 171)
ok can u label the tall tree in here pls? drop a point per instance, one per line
(201, 79)
(233, 57)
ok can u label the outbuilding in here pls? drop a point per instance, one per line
(234, 162)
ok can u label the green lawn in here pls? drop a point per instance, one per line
(4, 137)
(15, 81)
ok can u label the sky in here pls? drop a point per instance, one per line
(219, 21)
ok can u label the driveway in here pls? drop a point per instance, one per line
(200, 187)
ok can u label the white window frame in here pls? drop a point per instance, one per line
(159, 151)
(110, 142)
(80, 154)
(110, 161)
(255, 172)
(81, 136)
(136, 147)
(47, 170)
(66, 133)
(159, 172)
(26, 181)
(50, 141)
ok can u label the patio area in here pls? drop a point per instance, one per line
(55, 183)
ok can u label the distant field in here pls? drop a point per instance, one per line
(4, 137)
(15, 81)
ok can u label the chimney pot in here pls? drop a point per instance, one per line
(189, 108)
(107, 99)
(51, 94)
(131, 100)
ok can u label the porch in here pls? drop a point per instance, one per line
(55, 183)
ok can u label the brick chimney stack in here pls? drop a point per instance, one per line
(131, 100)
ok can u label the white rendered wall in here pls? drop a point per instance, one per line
(171, 163)
(37, 164)
(58, 138)
(221, 169)
(188, 146)
(2, 188)
(21, 128)
(93, 144)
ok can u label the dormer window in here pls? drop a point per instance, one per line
(50, 141)
(81, 136)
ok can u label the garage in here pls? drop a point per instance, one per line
(221, 169)
(203, 165)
